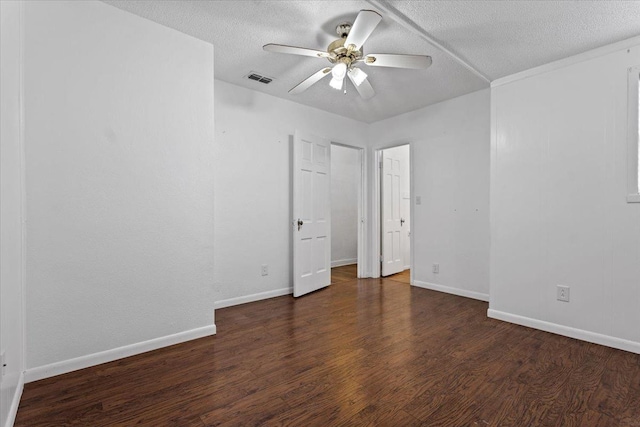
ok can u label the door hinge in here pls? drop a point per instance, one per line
(381, 258)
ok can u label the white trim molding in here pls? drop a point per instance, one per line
(252, 298)
(566, 331)
(15, 402)
(343, 262)
(66, 366)
(449, 290)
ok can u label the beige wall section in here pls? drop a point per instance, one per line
(346, 174)
(11, 215)
(119, 182)
(450, 158)
(559, 212)
(253, 187)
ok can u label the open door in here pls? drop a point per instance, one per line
(392, 222)
(311, 214)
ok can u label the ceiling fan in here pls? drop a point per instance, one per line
(346, 52)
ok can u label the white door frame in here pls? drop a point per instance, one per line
(376, 204)
(361, 208)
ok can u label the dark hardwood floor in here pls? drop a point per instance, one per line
(345, 273)
(361, 352)
(350, 272)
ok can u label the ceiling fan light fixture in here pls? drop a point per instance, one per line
(348, 51)
(336, 83)
(358, 76)
(339, 71)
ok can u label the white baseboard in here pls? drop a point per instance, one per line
(252, 298)
(15, 402)
(566, 331)
(65, 366)
(342, 262)
(450, 290)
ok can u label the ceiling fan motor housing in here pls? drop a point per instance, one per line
(337, 50)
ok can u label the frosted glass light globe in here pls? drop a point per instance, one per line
(339, 70)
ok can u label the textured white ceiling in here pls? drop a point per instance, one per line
(499, 38)
(496, 38)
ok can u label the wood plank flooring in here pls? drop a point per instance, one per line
(344, 274)
(359, 353)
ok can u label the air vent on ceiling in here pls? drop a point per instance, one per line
(259, 78)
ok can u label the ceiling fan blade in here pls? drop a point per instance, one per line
(309, 81)
(281, 48)
(398, 61)
(364, 89)
(365, 23)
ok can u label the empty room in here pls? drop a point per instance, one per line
(319, 213)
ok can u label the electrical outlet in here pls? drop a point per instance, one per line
(418, 200)
(436, 268)
(265, 270)
(563, 293)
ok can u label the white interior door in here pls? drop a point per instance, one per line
(311, 214)
(392, 222)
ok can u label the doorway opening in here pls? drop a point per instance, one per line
(346, 212)
(395, 213)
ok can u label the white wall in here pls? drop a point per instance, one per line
(253, 187)
(119, 185)
(450, 158)
(11, 214)
(558, 196)
(403, 154)
(345, 183)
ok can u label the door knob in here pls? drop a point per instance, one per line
(401, 221)
(300, 222)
